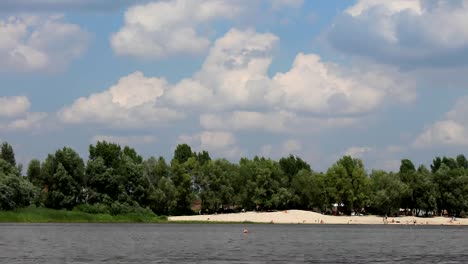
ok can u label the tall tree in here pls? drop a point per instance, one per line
(203, 157)
(292, 165)
(182, 153)
(7, 154)
(34, 172)
(111, 153)
(462, 162)
(63, 176)
(407, 166)
(351, 183)
(387, 192)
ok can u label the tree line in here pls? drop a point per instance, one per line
(115, 179)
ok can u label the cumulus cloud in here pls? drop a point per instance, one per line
(30, 122)
(33, 43)
(13, 105)
(235, 75)
(133, 102)
(163, 28)
(314, 86)
(234, 82)
(220, 143)
(450, 131)
(443, 133)
(404, 32)
(15, 115)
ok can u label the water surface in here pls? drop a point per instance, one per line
(226, 243)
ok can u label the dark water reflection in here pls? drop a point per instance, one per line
(198, 243)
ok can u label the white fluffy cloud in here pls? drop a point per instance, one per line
(133, 102)
(15, 115)
(13, 105)
(314, 86)
(220, 143)
(235, 76)
(443, 133)
(234, 81)
(405, 32)
(162, 28)
(30, 122)
(450, 131)
(31, 43)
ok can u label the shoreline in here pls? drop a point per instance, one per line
(307, 217)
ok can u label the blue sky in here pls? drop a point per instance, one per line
(379, 80)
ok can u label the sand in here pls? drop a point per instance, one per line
(306, 217)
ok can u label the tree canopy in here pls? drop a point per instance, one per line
(116, 177)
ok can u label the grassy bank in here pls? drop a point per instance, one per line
(43, 215)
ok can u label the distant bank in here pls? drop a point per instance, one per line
(307, 217)
(43, 215)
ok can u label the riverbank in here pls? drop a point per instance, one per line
(307, 217)
(44, 215)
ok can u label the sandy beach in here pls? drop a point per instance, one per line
(307, 217)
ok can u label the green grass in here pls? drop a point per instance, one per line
(43, 215)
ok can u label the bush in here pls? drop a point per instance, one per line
(15, 192)
(118, 208)
(463, 214)
(93, 208)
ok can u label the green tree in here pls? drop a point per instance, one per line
(34, 172)
(182, 179)
(63, 179)
(7, 154)
(309, 190)
(291, 165)
(351, 183)
(182, 153)
(111, 153)
(407, 166)
(436, 163)
(462, 162)
(387, 192)
(15, 192)
(203, 157)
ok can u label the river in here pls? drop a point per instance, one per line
(226, 243)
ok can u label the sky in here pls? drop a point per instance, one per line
(378, 80)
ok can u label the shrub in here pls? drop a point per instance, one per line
(118, 208)
(93, 208)
(15, 192)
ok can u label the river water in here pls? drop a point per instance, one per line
(226, 243)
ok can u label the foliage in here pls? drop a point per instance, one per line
(117, 181)
(15, 191)
(44, 215)
(7, 154)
